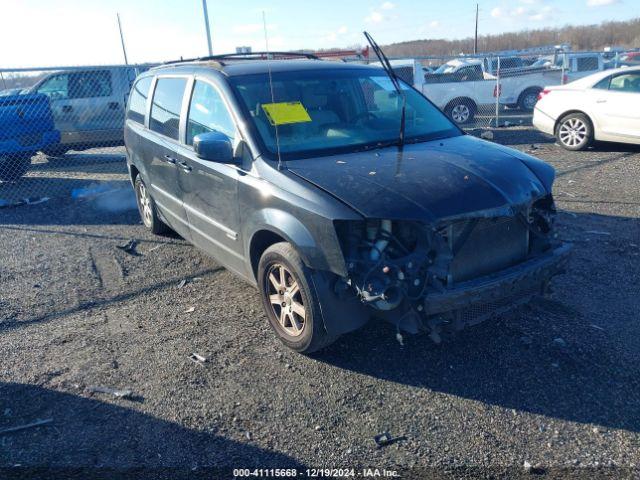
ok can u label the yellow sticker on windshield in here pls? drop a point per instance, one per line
(286, 113)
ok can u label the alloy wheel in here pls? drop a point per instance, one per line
(145, 204)
(460, 113)
(285, 298)
(573, 132)
(530, 101)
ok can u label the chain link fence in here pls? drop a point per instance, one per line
(61, 128)
(483, 91)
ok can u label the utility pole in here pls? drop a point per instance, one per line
(206, 25)
(475, 43)
(124, 50)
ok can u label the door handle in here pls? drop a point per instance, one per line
(170, 159)
(67, 108)
(185, 167)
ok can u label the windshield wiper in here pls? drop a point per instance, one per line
(395, 80)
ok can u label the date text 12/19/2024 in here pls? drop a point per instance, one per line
(314, 473)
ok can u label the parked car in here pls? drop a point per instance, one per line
(26, 126)
(88, 106)
(604, 106)
(291, 173)
(465, 88)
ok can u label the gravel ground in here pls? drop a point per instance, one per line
(555, 384)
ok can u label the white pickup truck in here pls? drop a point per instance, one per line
(466, 88)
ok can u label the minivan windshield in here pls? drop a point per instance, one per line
(322, 112)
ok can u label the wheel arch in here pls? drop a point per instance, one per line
(457, 100)
(270, 226)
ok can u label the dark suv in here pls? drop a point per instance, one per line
(292, 174)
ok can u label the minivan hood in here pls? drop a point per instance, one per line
(431, 181)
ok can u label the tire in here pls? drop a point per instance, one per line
(55, 151)
(290, 301)
(461, 111)
(528, 99)
(147, 208)
(12, 167)
(574, 132)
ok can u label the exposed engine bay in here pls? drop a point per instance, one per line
(398, 267)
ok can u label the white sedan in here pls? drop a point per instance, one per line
(604, 106)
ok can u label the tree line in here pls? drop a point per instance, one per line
(583, 37)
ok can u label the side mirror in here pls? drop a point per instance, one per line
(213, 146)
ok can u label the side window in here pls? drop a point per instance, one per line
(628, 82)
(207, 112)
(138, 100)
(603, 84)
(56, 87)
(90, 84)
(165, 109)
(586, 64)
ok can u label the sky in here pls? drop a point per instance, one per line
(81, 32)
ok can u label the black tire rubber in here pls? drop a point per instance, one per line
(462, 101)
(14, 166)
(589, 137)
(521, 99)
(155, 225)
(313, 337)
(55, 151)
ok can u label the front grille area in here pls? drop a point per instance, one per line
(480, 312)
(493, 244)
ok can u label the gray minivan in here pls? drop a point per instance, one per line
(341, 192)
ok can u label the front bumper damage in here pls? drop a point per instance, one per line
(469, 303)
(457, 273)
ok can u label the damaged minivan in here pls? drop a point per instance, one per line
(341, 192)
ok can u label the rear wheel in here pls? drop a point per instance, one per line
(528, 99)
(147, 208)
(14, 166)
(461, 111)
(55, 151)
(290, 301)
(574, 131)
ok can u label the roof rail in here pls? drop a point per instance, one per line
(246, 56)
(262, 56)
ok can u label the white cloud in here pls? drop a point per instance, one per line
(434, 24)
(600, 3)
(388, 6)
(536, 14)
(333, 36)
(374, 17)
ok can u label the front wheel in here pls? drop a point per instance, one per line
(12, 167)
(574, 132)
(290, 301)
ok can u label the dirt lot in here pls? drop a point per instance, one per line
(556, 385)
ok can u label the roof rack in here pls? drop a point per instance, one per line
(246, 56)
(263, 56)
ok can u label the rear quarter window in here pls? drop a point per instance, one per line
(138, 100)
(165, 109)
(91, 84)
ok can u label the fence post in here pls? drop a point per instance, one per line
(498, 93)
(564, 59)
